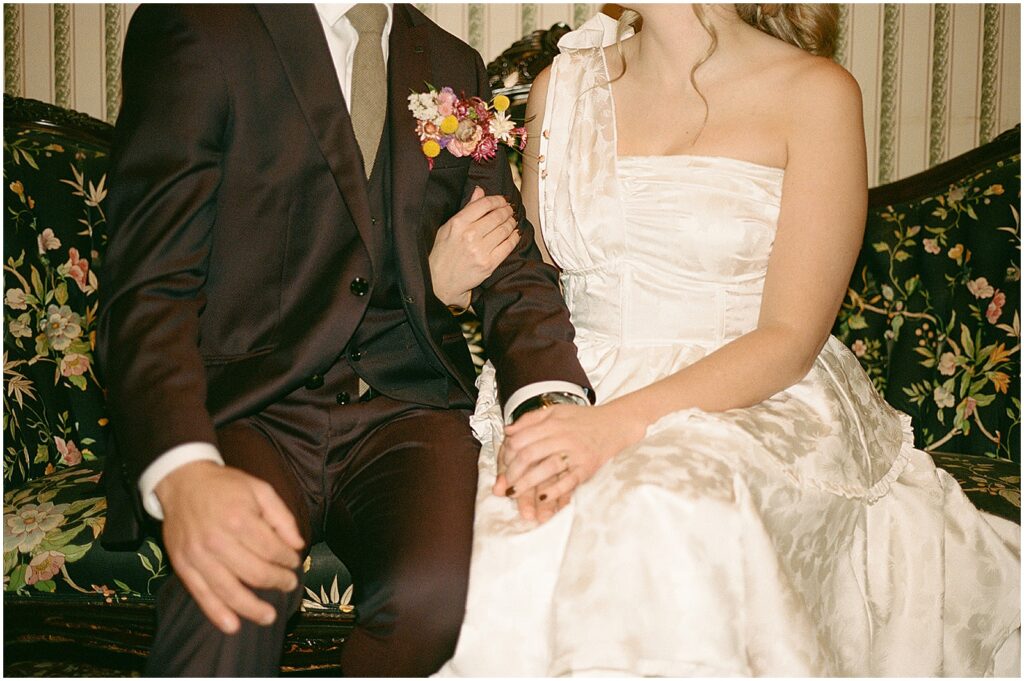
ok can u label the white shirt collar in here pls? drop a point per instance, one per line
(330, 12)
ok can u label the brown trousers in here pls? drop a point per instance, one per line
(390, 486)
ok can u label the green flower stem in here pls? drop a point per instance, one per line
(981, 426)
(71, 582)
(946, 438)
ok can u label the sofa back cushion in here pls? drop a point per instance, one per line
(933, 310)
(54, 237)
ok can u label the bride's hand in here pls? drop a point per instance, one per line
(549, 452)
(470, 246)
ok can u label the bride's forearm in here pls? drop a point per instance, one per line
(741, 373)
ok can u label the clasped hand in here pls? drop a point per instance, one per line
(548, 453)
(469, 246)
(227, 533)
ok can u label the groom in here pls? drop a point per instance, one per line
(279, 370)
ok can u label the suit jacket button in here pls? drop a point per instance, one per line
(315, 381)
(355, 355)
(359, 286)
(409, 299)
(341, 398)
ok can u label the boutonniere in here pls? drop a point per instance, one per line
(466, 126)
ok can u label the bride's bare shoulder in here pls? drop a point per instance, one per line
(804, 88)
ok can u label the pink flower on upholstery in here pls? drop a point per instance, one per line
(970, 406)
(16, 299)
(859, 347)
(74, 364)
(931, 246)
(44, 566)
(61, 326)
(947, 364)
(943, 397)
(48, 241)
(20, 326)
(78, 269)
(995, 308)
(980, 288)
(69, 453)
(27, 526)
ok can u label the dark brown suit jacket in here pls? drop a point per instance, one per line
(229, 277)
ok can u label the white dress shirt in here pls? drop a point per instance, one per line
(341, 41)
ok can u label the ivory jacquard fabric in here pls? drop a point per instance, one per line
(803, 536)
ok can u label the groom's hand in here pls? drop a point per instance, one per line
(227, 533)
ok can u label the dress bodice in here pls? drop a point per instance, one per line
(654, 250)
(682, 261)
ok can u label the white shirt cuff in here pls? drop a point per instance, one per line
(539, 388)
(171, 460)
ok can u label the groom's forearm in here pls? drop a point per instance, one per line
(525, 322)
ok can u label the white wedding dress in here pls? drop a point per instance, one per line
(802, 536)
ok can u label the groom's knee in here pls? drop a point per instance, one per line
(412, 628)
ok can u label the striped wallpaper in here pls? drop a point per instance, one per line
(938, 79)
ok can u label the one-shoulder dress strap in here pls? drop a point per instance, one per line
(576, 163)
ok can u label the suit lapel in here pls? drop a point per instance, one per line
(298, 36)
(409, 70)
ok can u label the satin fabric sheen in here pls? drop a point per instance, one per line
(804, 536)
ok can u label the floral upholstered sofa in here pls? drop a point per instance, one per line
(933, 313)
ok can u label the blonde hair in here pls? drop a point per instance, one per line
(809, 26)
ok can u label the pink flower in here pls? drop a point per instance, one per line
(943, 397)
(426, 130)
(48, 241)
(931, 246)
(465, 139)
(486, 149)
(78, 269)
(69, 454)
(980, 288)
(446, 101)
(995, 308)
(859, 347)
(44, 566)
(947, 364)
(970, 405)
(74, 364)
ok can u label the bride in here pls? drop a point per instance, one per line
(740, 501)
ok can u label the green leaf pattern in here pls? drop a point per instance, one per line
(933, 312)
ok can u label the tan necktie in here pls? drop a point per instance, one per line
(369, 79)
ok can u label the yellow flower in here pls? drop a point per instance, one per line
(449, 125)
(431, 149)
(17, 187)
(501, 102)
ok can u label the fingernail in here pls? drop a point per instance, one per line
(543, 497)
(510, 492)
